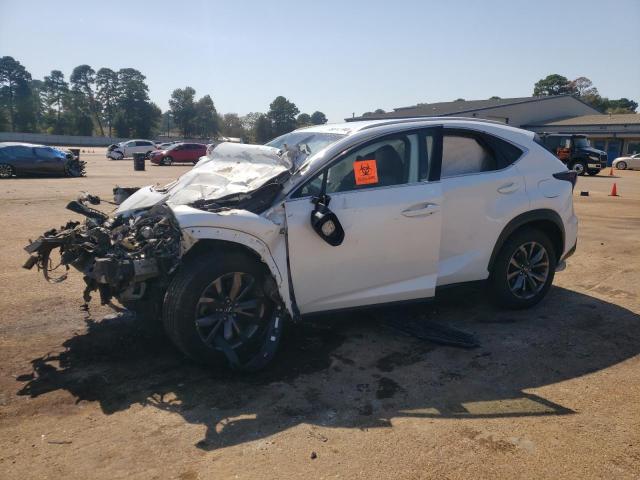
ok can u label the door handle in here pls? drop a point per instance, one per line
(421, 210)
(508, 188)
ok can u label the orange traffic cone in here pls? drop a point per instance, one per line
(611, 171)
(614, 191)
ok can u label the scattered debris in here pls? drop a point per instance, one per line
(432, 331)
(314, 455)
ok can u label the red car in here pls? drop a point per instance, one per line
(180, 152)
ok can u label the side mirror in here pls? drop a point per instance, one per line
(325, 222)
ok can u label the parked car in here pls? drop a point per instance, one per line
(632, 162)
(328, 218)
(18, 159)
(576, 152)
(127, 149)
(179, 153)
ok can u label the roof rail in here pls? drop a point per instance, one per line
(423, 119)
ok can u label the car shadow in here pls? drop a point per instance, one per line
(350, 371)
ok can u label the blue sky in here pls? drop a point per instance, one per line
(335, 56)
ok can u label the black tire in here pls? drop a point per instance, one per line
(192, 295)
(593, 172)
(502, 287)
(621, 165)
(6, 171)
(166, 161)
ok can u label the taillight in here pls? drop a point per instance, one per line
(569, 176)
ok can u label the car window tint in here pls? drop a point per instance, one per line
(392, 161)
(463, 155)
(46, 153)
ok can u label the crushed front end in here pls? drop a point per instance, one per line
(120, 256)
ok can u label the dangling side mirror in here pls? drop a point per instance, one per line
(325, 222)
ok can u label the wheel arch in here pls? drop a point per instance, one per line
(545, 220)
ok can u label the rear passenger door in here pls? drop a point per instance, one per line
(482, 191)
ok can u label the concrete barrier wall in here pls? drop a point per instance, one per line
(68, 140)
(78, 141)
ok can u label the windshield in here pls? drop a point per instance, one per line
(314, 141)
(581, 142)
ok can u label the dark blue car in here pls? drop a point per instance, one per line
(18, 159)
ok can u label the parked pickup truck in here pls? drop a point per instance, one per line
(576, 152)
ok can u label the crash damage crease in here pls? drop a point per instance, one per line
(141, 245)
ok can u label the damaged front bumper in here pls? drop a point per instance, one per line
(118, 256)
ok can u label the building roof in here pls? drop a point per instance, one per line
(588, 120)
(455, 108)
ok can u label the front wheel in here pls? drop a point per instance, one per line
(579, 167)
(6, 170)
(216, 311)
(523, 270)
(621, 165)
(166, 161)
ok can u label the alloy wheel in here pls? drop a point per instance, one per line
(621, 166)
(230, 311)
(6, 171)
(528, 270)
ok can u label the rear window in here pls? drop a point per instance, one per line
(465, 152)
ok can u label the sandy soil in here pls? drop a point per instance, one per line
(553, 392)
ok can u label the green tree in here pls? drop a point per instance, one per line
(83, 79)
(136, 115)
(79, 114)
(303, 120)
(183, 109)
(249, 125)
(553, 84)
(107, 92)
(319, 118)
(282, 113)
(206, 118)
(15, 95)
(55, 96)
(232, 126)
(262, 129)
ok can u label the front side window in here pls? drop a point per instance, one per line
(48, 153)
(386, 162)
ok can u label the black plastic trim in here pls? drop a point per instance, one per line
(522, 220)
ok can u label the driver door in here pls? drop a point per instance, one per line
(391, 221)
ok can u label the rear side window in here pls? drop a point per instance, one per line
(465, 153)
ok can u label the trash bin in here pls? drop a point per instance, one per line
(138, 161)
(76, 152)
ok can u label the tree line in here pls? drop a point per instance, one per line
(116, 103)
(582, 88)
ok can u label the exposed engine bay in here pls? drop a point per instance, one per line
(136, 249)
(114, 253)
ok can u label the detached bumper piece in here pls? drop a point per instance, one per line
(114, 254)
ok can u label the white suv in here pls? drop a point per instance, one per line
(333, 217)
(127, 149)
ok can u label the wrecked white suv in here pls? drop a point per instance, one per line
(325, 218)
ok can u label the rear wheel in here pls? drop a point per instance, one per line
(621, 165)
(216, 311)
(579, 167)
(167, 161)
(523, 270)
(6, 170)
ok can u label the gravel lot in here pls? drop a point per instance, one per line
(553, 392)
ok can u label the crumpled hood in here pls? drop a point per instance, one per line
(230, 168)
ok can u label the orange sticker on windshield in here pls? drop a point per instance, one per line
(365, 171)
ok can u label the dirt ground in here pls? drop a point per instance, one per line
(552, 392)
